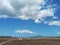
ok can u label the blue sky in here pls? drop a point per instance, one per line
(30, 18)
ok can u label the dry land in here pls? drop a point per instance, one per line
(30, 41)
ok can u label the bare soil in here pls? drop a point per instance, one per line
(41, 41)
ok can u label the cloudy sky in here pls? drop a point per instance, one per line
(30, 17)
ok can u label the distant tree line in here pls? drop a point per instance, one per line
(32, 37)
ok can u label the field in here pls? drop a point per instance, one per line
(30, 41)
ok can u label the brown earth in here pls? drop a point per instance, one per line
(41, 41)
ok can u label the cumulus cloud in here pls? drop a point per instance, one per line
(37, 21)
(55, 23)
(24, 31)
(27, 9)
(5, 7)
(32, 13)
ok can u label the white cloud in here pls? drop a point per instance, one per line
(37, 21)
(4, 16)
(24, 31)
(30, 12)
(55, 23)
(27, 9)
(46, 13)
(54, 17)
(6, 7)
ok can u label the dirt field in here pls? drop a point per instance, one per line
(46, 41)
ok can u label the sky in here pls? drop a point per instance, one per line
(26, 18)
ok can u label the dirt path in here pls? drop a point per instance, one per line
(5, 42)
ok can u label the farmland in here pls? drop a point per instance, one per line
(30, 41)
